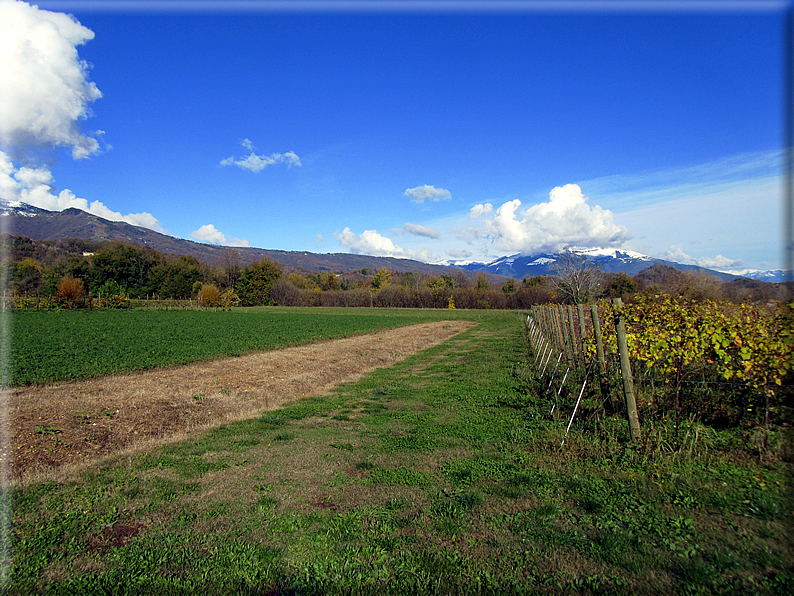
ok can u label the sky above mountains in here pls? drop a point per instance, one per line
(426, 130)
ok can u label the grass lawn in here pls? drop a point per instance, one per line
(441, 475)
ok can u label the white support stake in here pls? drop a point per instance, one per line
(556, 399)
(547, 362)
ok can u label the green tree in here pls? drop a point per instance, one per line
(128, 265)
(255, 282)
(621, 284)
(174, 278)
(27, 276)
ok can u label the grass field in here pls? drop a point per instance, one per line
(63, 345)
(441, 475)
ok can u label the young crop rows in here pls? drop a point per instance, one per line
(63, 345)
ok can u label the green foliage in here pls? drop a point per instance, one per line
(229, 299)
(253, 286)
(621, 285)
(112, 295)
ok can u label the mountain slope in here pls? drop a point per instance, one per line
(39, 224)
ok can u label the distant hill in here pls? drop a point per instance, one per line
(40, 224)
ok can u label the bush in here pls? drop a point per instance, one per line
(112, 295)
(70, 290)
(229, 299)
(208, 296)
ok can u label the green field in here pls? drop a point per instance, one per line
(62, 345)
(441, 475)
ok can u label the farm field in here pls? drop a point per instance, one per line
(441, 474)
(61, 345)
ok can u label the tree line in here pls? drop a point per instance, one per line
(72, 271)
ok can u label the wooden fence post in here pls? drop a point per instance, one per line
(625, 369)
(572, 332)
(602, 363)
(582, 329)
(568, 354)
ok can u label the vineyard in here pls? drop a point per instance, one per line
(723, 364)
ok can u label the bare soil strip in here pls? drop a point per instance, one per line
(62, 427)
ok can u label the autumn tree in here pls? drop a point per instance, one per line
(382, 279)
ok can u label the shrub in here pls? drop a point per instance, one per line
(70, 289)
(208, 296)
(229, 299)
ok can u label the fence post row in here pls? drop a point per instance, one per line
(550, 329)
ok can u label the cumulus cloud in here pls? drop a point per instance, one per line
(209, 233)
(420, 194)
(45, 94)
(564, 220)
(256, 163)
(479, 210)
(370, 242)
(34, 187)
(44, 86)
(720, 263)
(417, 230)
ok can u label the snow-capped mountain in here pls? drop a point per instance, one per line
(770, 276)
(610, 260)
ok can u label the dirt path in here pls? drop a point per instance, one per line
(64, 425)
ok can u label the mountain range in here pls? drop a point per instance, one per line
(40, 224)
(21, 219)
(610, 260)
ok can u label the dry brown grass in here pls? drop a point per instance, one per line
(61, 427)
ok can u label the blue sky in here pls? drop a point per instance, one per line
(424, 130)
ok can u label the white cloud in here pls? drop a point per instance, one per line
(479, 210)
(34, 187)
(564, 220)
(256, 163)
(677, 254)
(459, 254)
(209, 233)
(420, 194)
(319, 239)
(44, 86)
(417, 230)
(370, 242)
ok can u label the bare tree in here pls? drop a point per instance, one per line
(578, 279)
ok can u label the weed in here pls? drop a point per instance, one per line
(47, 429)
(342, 446)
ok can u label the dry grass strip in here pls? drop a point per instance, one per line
(58, 429)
